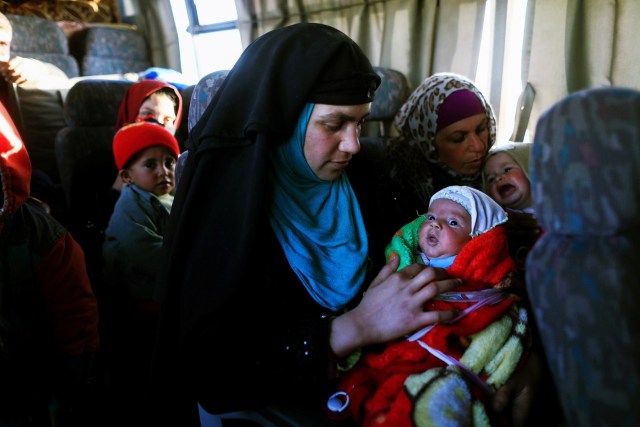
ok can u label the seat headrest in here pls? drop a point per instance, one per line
(585, 165)
(202, 94)
(44, 40)
(390, 95)
(93, 103)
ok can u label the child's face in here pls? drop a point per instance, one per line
(161, 108)
(152, 170)
(506, 182)
(446, 230)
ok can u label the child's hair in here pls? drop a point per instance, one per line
(170, 93)
(133, 138)
(518, 151)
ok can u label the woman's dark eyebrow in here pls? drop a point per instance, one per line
(340, 116)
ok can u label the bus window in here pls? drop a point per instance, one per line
(208, 35)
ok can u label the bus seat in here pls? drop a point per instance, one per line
(523, 113)
(203, 93)
(182, 133)
(392, 93)
(37, 110)
(87, 167)
(389, 98)
(365, 167)
(42, 39)
(201, 96)
(583, 274)
(90, 113)
(103, 49)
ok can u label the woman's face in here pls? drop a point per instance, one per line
(464, 144)
(332, 138)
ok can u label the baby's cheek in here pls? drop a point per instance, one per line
(422, 236)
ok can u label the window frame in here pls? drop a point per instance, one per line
(195, 28)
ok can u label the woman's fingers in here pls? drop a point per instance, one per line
(436, 316)
(386, 271)
(428, 278)
(435, 287)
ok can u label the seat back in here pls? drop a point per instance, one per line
(389, 98)
(90, 113)
(38, 111)
(201, 96)
(42, 39)
(583, 274)
(110, 50)
(391, 94)
(182, 133)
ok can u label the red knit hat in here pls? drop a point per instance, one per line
(138, 136)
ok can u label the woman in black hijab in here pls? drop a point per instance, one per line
(266, 251)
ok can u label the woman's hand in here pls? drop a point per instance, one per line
(393, 306)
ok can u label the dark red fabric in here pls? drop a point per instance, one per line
(71, 305)
(66, 290)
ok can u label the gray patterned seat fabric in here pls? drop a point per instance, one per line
(391, 94)
(42, 39)
(203, 93)
(583, 274)
(201, 96)
(37, 111)
(110, 50)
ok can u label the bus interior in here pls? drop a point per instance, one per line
(525, 56)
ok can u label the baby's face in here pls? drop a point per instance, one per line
(446, 230)
(506, 182)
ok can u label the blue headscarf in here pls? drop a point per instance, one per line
(318, 223)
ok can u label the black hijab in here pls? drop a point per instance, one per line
(276, 75)
(220, 201)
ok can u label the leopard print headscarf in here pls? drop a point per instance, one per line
(413, 156)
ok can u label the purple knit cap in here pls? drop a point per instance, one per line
(458, 106)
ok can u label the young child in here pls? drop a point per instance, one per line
(506, 176)
(145, 155)
(506, 180)
(446, 371)
(151, 100)
(96, 184)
